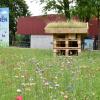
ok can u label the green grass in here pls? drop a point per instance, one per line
(38, 75)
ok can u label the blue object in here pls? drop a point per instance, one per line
(4, 27)
(88, 44)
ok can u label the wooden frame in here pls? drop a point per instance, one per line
(67, 41)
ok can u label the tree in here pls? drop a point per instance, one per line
(83, 10)
(59, 6)
(96, 5)
(88, 8)
(17, 8)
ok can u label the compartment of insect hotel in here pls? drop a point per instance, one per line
(67, 37)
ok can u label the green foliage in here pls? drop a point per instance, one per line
(17, 8)
(59, 6)
(84, 9)
(22, 40)
(38, 75)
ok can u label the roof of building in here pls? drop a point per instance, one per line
(35, 25)
(70, 27)
(67, 24)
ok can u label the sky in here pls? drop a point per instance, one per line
(34, 7)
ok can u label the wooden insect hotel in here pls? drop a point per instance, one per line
(68, 37)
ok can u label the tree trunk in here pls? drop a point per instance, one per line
(98, 30)
(13, 39)
(98, 41)
(66, 9)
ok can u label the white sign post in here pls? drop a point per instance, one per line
(4, 27)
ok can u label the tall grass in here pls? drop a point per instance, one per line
(38, 75)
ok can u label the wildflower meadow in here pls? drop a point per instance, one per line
(38, 75)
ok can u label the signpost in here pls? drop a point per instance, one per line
(4, 27)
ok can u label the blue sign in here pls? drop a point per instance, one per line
(4, 27)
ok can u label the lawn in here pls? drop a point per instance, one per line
(38, 75)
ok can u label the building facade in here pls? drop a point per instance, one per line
(35, 25)
(41, 41)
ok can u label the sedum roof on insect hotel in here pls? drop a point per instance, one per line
(67, 27)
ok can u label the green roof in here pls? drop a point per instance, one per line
(68, 24)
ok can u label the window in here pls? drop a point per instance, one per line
(60, 44)
(60, 52)
(73, 52)
(72, 44)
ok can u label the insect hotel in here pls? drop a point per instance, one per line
(68, 37)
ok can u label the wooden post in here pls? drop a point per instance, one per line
(66, 52)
